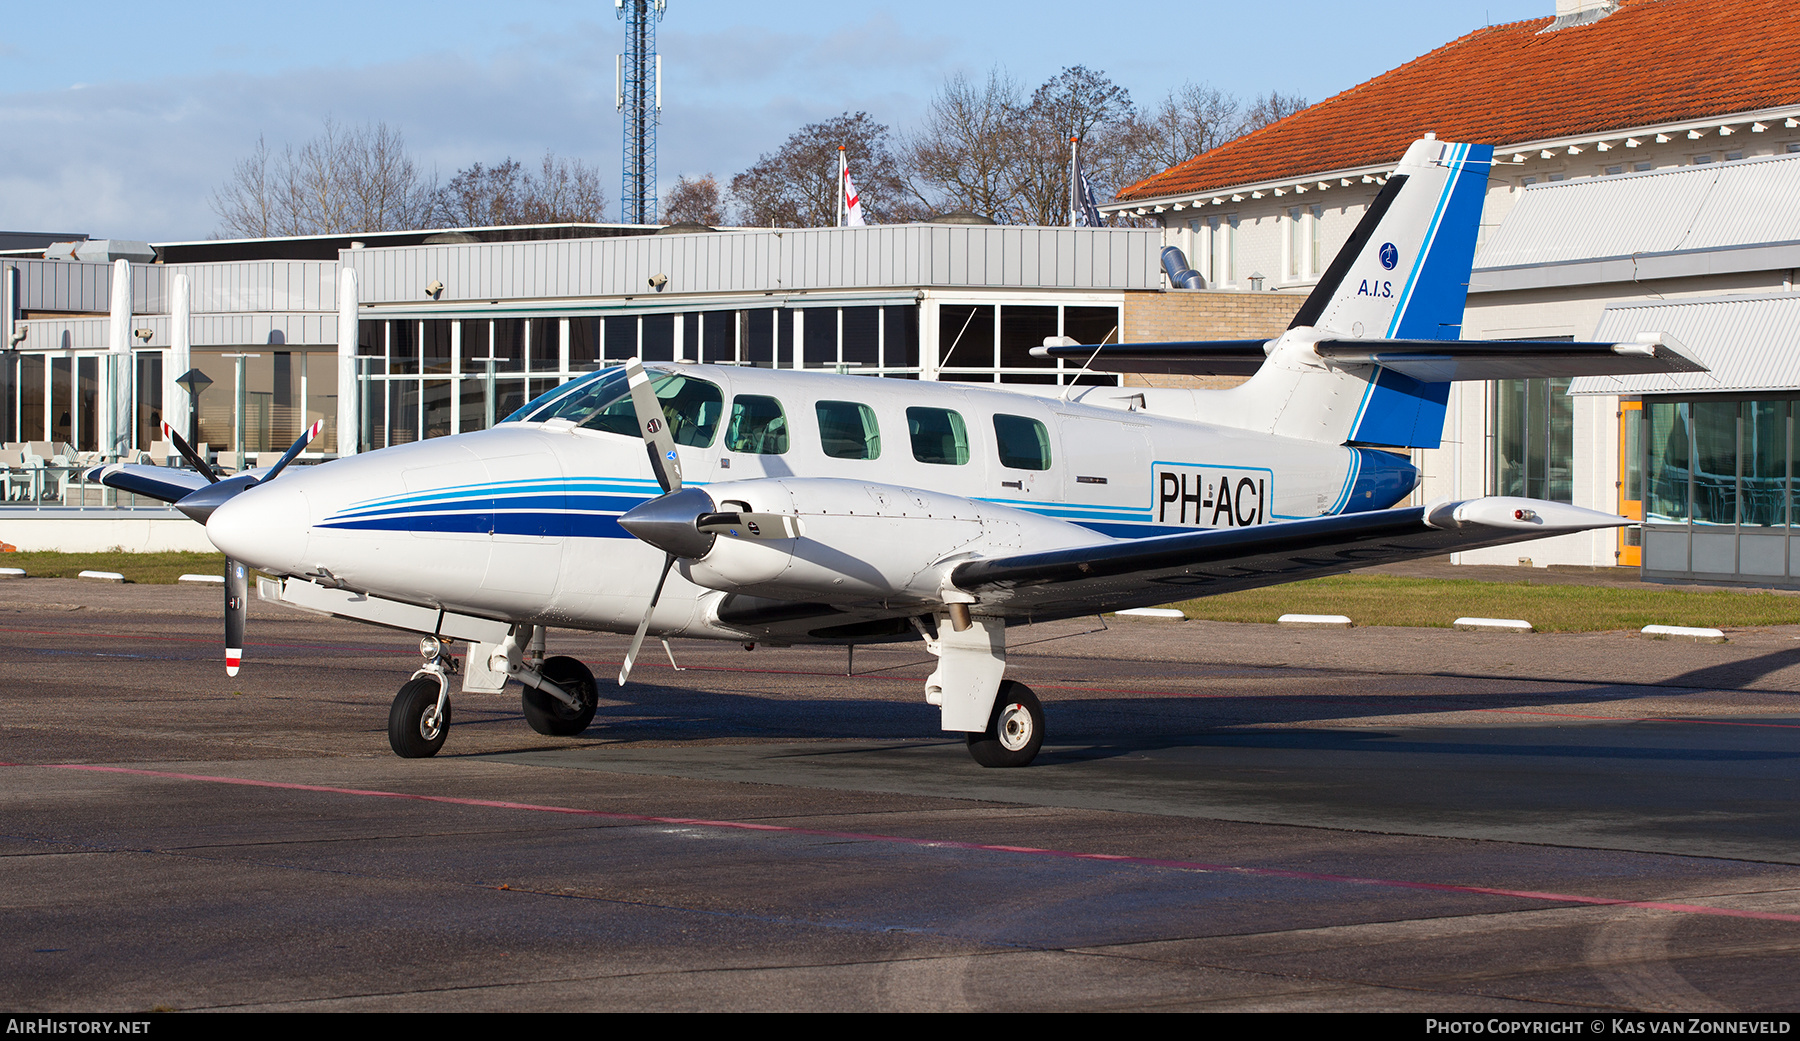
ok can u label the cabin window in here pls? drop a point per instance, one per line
(938, 436)
(1023, 443)
(847, 430)
(758, 426)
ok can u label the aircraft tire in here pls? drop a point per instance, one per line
(1014, 733)
(408, 734)
(548, 716)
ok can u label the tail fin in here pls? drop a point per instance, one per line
(1365, 360)
(1404, 274)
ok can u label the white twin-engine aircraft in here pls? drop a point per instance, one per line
(788, 507)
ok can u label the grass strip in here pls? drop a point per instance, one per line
(156, 569)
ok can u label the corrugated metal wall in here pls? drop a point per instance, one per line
(1750, 343)
(264, 285)
(767, 261)
(1714, 206)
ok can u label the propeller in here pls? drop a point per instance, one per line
(187, 452)
(199, 505)
(682, 522)
(665, 463)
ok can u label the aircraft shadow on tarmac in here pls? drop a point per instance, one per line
(1091, 729)
(1737, 675)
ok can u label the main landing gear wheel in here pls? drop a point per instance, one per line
(414, 729)
(549, 716)
(1014, 733)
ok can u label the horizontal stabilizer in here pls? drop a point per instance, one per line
(1198, 358)
(1428, 361)
(1442, 361)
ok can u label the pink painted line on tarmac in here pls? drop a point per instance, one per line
(1112, 858)
(1635, 719)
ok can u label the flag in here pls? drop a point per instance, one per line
(1088, 216)
(852, 201)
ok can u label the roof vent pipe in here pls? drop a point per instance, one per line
(1180, 275)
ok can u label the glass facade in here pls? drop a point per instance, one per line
(987, 343)
(1534, 453)
(425, 376)
(429, 378)
(1718, 486)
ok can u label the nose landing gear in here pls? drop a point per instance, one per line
(419, 719)
(416, 725)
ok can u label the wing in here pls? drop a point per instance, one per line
(1144, 572)
(158, 482)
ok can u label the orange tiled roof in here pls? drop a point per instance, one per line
(1650, 62)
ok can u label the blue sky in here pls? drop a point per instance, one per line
(120, 119)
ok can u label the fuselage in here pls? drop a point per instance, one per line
(519, 522)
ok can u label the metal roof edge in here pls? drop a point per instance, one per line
(1637, 267)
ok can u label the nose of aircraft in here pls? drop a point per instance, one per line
(265, 527)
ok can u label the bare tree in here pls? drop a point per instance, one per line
(563, 191)
(343, 180)
(1191, 120)
(961, 158)
(480, 196)
(694, 201)
(797, 185)
(1268, 109)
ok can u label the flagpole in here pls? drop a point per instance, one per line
(843, 196)
(1074, 176)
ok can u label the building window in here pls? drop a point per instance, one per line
(1022, 327)
(1704, 157)
(1619, 169)
(1293, 245)
(1315, 241)
(1534, 423)
(1734, 155)
(1717, 463)
(1223, 254)
(1643, 167)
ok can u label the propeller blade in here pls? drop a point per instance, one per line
(237, 592)
(200, 504)
(188, 453)
(637, 641)
(655, 427)
(294, 450)
(746, 525)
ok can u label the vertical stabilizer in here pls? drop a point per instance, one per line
(1403, 274)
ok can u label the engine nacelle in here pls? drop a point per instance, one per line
(865, 541)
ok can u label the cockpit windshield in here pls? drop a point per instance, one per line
(602, 401)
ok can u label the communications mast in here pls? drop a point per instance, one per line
(637, 75)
